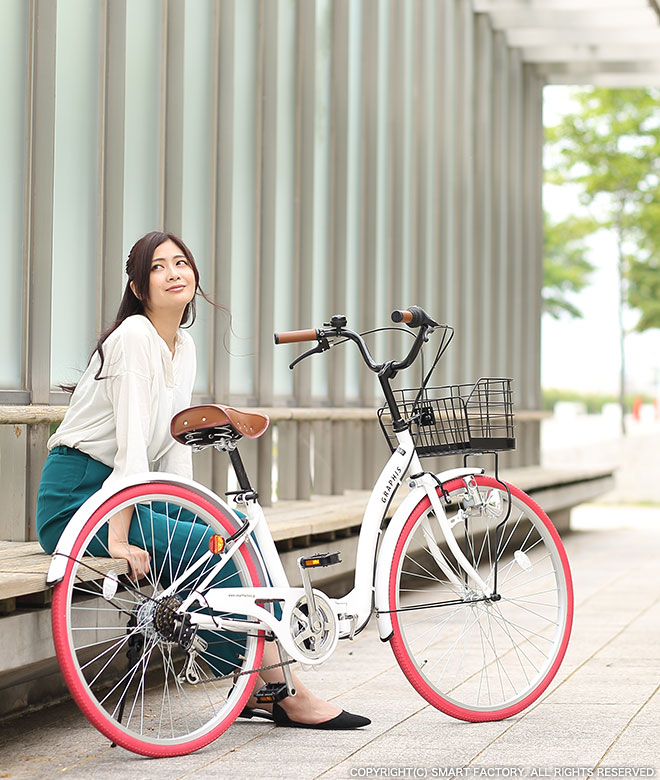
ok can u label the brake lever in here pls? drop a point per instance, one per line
(322, 346)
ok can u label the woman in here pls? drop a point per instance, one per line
(141, 373)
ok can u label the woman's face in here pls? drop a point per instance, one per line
(171, 280)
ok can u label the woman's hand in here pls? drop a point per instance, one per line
(138, 559)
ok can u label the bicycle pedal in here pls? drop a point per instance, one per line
(270, 693)
(322, 559)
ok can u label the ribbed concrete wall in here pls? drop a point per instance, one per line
(318, 157)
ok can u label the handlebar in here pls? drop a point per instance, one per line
(414, 317)
(292, 336)
(402, 316)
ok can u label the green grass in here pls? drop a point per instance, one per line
(593, 402)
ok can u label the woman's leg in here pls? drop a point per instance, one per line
(304, 707)
(68, 479)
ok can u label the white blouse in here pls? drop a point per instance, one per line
(123, 419)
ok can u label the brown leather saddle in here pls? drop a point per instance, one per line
(207, 424)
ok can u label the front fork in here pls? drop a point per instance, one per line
(472, 499)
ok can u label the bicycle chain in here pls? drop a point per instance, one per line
(263, 668)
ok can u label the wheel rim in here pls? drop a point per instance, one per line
(480, 659)
(162, 711)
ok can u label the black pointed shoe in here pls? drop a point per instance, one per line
(344, 721)
(253, 712)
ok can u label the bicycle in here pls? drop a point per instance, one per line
(470, 582)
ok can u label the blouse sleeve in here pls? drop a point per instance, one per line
(130, 389)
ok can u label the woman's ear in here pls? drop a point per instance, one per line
(134, 290)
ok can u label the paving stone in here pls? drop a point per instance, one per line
(603, 708)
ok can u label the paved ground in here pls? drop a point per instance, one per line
(596, 440)
(601, 715)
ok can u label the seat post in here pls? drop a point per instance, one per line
(239, 470)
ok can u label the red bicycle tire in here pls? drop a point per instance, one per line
(68, 663)
(399, 645)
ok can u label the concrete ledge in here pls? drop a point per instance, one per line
(35, 414)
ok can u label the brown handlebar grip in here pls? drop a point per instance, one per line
(402, 316)
(291, 336)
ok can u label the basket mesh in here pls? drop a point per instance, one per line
(455, 418)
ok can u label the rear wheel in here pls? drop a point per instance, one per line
(473, 658)
(138, 670)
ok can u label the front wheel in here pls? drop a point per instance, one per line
(133, 659)
(473, 658)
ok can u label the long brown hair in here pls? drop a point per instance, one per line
(138, 270)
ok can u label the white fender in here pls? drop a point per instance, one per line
(75, 525)
(387, 547)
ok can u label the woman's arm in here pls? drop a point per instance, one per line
(132, 392)
(119, 546)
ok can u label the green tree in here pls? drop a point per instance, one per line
(608, 146)
(644, 271)
(566, 269)
(644, 291)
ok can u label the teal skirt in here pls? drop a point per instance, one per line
(70, 477)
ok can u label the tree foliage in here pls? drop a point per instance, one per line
(644, 291)
(566, 269)
(643, 270)
(610, 148)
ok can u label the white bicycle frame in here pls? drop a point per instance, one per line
(353, 611)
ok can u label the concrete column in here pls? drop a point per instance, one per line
(500, 187)
(410, 115)
(174, 114)
(223, 195)
(394, 230)
(532, 223)
(373, 10)
(534, 165)
(515, 320)
(267, 240)
(114, 114)
(268, 192)
(217, 352)
(338, 188)
(429, 279)
(305, 185)
(446, 173)
(483, 300)
(43, 26)
(466, 330)
(40, 259)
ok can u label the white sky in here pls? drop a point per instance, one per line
(584, 354)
